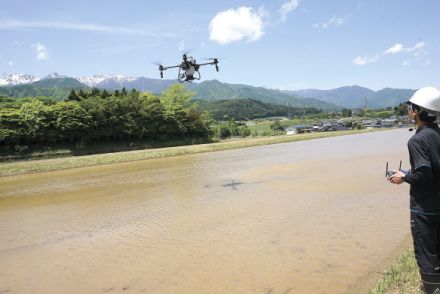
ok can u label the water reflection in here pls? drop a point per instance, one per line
(305, 217)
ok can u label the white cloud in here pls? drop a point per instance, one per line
(288, 7)
(362, 60)
(11, 64)
(398, 48)
(332, 22)
(17, 24)
(40, 51)
(394, 49)
(418, 51)
(236, 24)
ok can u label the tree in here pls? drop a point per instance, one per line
(176, 96)
(12, 128)
(36, 119)
(73, 96)
(105, 94)
(95, 92)
(346, 112)
(223, 131)
(152, 114)
(71, 121)
(96, 108)
(176, 101)
(401, 109)
(276, 126)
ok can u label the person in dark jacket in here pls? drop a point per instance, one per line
(424, 180)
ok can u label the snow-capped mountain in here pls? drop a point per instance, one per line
(106, 81)
(117, 82)
(53, 76)
(17, 79)
(109, 82)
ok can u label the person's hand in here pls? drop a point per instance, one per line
(397, 177)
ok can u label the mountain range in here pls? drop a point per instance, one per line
(58, 86)
(358, 97)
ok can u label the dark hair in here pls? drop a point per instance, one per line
(425, 116)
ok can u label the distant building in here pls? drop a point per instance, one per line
(299, 129)
(370, 123)
(389, 122)
(333, 127)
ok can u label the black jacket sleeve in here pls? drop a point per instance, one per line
(422, 175)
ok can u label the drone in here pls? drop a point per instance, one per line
(188, 68)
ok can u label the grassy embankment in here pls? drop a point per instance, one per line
(23, 167)
(402, 278)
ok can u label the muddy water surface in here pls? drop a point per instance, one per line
(306, 217)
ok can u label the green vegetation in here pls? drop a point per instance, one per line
(248, 109)
(403, 277)
(359, 97)
(215, 90)
(99, 116)
(98, 121)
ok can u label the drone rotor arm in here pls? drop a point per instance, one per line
(167, 67)
(207, 63)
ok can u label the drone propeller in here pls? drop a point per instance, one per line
(156, 62)
(161, 67)
(186, 52)
(214, 58)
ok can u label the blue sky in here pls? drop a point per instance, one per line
(285, 44)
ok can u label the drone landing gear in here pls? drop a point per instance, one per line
(188, 78)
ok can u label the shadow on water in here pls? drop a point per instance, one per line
(233, 184)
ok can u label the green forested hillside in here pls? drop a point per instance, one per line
(358, 97)
(389, 97)
(247, 109)
(327, 100)
(215, 90)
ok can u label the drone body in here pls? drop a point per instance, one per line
(188, 68)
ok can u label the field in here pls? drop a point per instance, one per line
(402, 277)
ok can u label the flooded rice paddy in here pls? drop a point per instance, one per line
(304, 217)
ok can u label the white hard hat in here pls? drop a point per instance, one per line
(427, 98)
